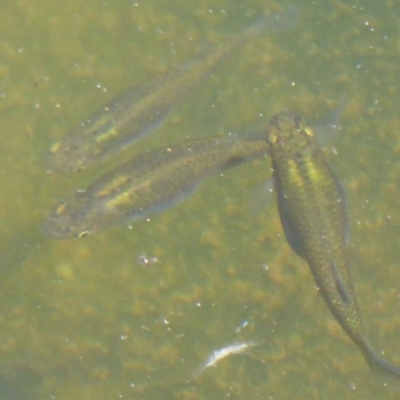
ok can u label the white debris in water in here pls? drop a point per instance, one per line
(217, 355)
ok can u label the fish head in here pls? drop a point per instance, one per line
(69, 155)
(70, 218)
(289, 133)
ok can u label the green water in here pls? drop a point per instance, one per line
(85, 319)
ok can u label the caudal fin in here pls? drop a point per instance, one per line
(388, 373)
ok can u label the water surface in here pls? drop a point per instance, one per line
(92, 319)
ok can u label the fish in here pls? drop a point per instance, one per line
(313, 212)
(217, 355)
(150, 183)
(140, 110)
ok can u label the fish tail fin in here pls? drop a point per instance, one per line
(387, 373)
(276, 22)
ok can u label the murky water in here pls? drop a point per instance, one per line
(134, 311)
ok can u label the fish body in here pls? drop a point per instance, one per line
(150, 183)
(138, 111)
(313, 213)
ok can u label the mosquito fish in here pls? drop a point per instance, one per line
(150, 183)
(313, 213)
(138, 111)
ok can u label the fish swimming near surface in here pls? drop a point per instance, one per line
(313, 213)
(150, 183)
(138, 111)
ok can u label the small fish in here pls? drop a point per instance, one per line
(140, 110)
(313, 213)
(150, 183)
(217, 355)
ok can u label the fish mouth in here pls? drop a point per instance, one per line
(287, 121)
(53, 229)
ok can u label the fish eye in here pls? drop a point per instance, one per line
(55, 148)
(271, 139)
(309, 132)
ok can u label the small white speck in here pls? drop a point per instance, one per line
(242, 326)
(265, 267)
(146, 261)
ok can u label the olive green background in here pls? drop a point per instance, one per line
(87, 319)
